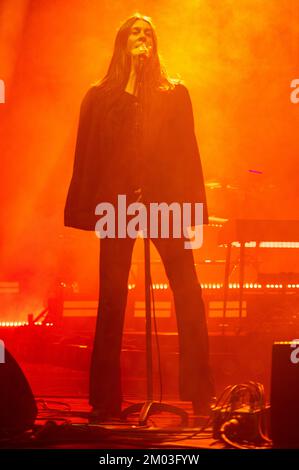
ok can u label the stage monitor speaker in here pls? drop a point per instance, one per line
(17, 404)
(284, 395)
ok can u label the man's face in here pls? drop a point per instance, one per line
(141, 34)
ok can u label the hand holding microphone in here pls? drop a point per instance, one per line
(140, 56)
(142, 51)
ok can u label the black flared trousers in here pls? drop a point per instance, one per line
(105, 376)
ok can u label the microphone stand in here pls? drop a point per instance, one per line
(149, 406)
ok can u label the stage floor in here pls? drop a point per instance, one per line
(63, 423)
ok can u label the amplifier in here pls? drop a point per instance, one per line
(284, 395)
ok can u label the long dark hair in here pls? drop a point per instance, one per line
(119, 69)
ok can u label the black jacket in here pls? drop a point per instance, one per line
(105, 164)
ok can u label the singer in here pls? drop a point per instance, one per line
(136, 138)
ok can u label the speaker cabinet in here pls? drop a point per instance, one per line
(17, 404)
(284, 395)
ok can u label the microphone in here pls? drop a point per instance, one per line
(144, 51)
(142, 57)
